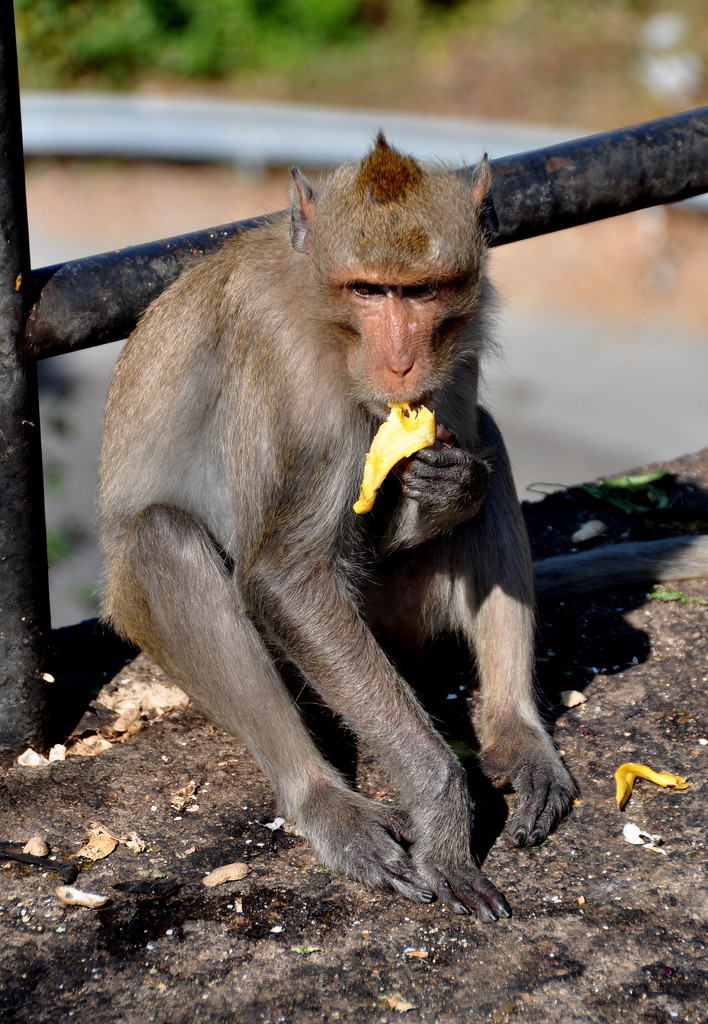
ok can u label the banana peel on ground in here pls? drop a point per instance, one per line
(627, 773)
(405, 432)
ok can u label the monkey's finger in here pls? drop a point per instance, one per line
(442, 457)
(411, 888)
(433, 494)
(558, 806)
(454, 478)
(388, 869)
(467, 471)
(486, 900)
(369, 853)
(533, 787)
(446, 436)
(523, 821)
(553, 813)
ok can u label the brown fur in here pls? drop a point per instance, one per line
(411, 244)
(386, 176)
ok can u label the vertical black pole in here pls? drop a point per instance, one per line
(24, 600)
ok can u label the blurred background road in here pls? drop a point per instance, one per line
(603, 330)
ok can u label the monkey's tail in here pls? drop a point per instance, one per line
(673, 558)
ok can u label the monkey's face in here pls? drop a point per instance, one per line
(400, 332)
(397, 251)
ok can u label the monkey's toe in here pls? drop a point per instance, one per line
(545, 795)
(465, 890)
(362, 840)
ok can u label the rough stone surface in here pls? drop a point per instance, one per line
(602, 931)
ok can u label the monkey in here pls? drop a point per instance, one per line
(237, 423)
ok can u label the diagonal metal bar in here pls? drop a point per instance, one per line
(90, 301)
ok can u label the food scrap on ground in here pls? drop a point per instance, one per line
(226, 873)
(637, 837)
(394, 1001)
(275, 824)
(122, 708)
(588, 531)
(98, 846)
(627, 773)
(89, 746)
(183, 796)
(36, 846)
(80, 898)
(572, 698)
(31, 759)
(131, 839)
(661, 593)
(102, 842)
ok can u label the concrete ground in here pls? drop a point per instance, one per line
(602, 931)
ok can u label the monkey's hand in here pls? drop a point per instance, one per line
(544, 787)
(442, 854)
(449, 484)
(369, 841)
(463, 888)
(362, 839)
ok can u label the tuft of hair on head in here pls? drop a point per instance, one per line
(385, 175)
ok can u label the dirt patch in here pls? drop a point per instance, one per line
(602, 930)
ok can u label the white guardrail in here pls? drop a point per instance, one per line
(254, 135)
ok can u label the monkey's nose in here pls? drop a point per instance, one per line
(403, 373)
(400, 381)
(400, 364)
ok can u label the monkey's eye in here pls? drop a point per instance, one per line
(424, 290)
(366, 289)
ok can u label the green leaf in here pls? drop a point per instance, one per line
(664, 594)
(639, 486)
(634, 482)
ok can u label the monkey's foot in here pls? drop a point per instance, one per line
(362, 839)
(544, 787)
(464, 890)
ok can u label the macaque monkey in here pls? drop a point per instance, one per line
(237, 425)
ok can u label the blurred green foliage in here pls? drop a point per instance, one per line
(113, 42)
(117, 42)
(555, 60)
(63, 543)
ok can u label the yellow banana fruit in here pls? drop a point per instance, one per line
(404, 432)
(627, 773)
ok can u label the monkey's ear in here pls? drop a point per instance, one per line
(482, 197)
(302, 212)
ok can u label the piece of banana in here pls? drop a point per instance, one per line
(627, 773)
(405, 432)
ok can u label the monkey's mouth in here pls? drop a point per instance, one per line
(381, 410)
(418, 403)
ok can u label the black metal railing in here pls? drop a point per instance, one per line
(90, 301)
(24, 592)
